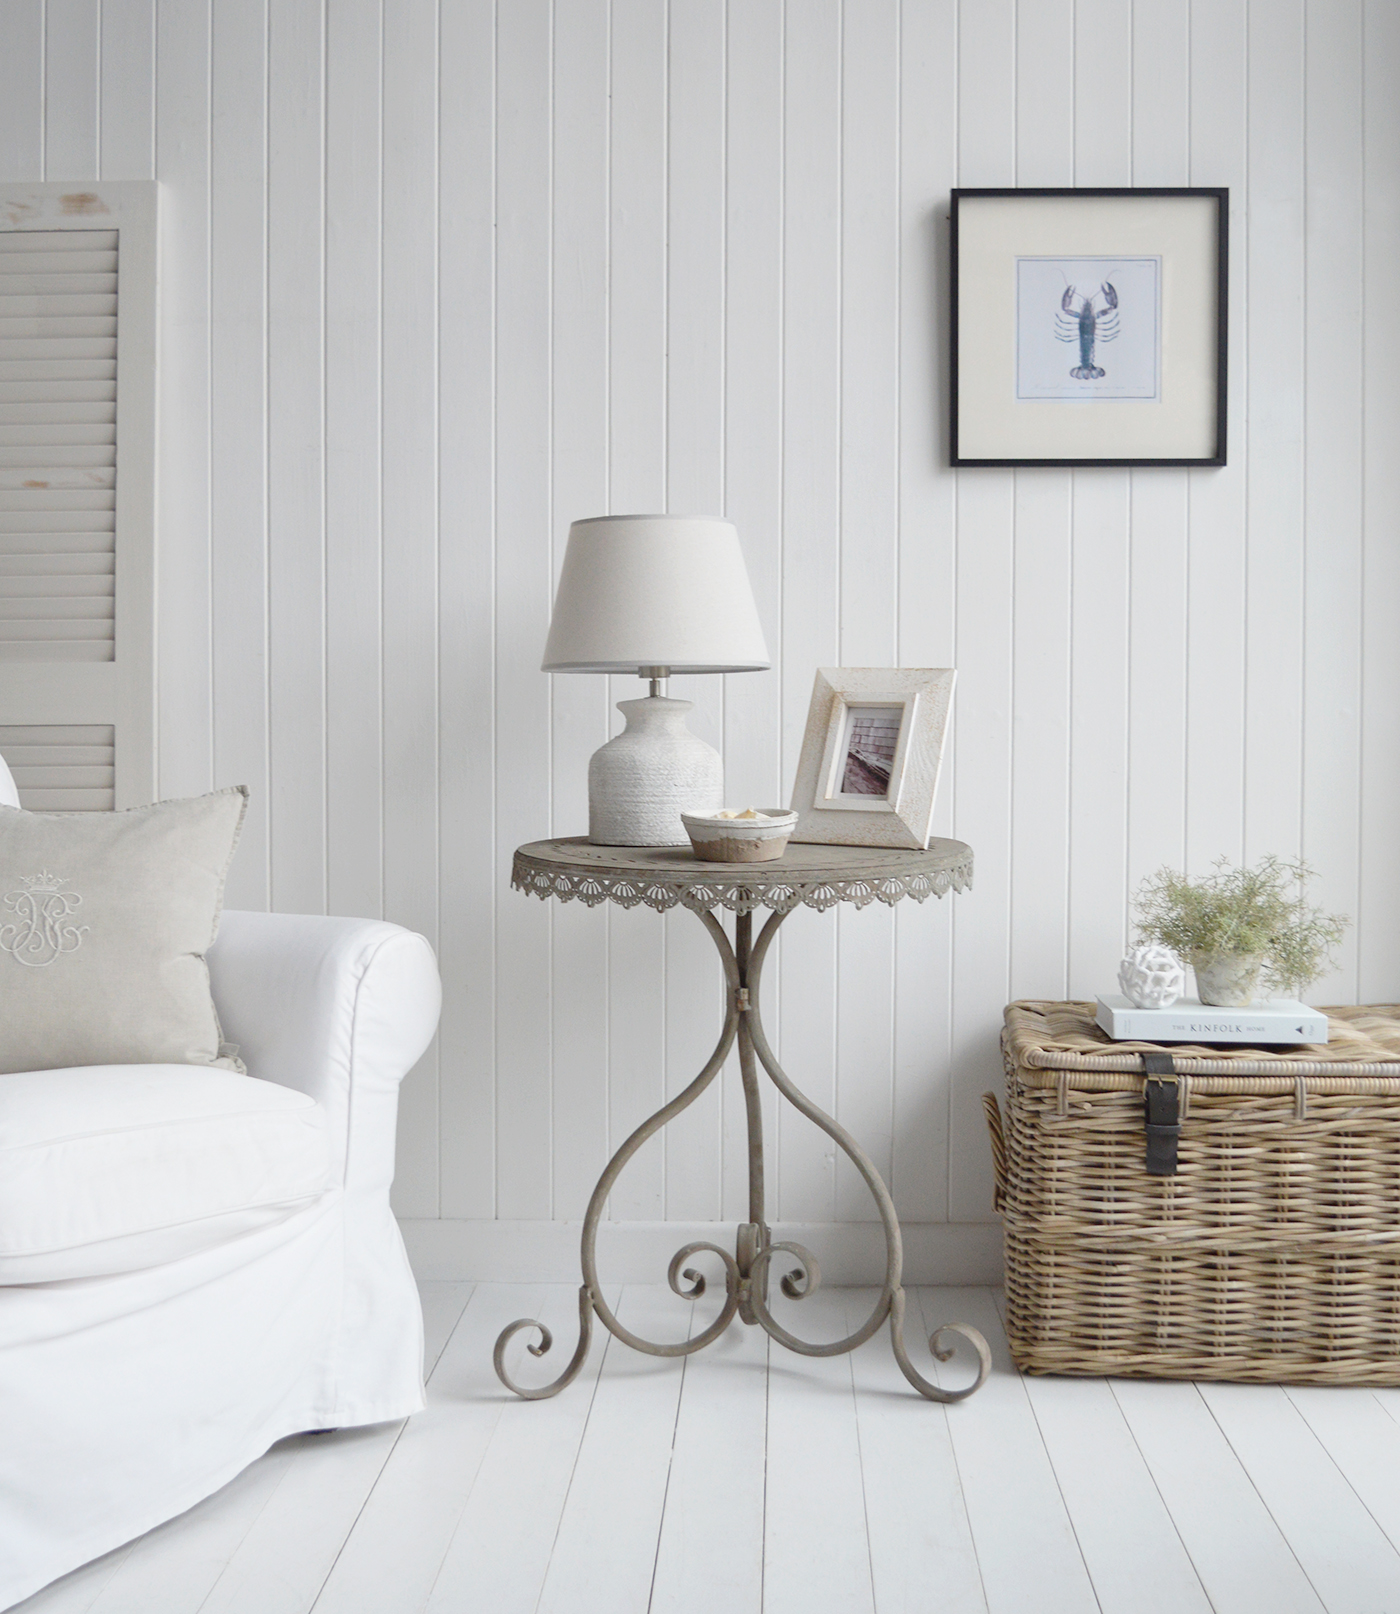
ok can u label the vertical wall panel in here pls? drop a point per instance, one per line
(466, 601)
(1040, 648)
(22, 90)
(580, 705)
(753, 459)
(1333, 467)
(71, 99)
(238, 430)
(1099, 726)
(1272, 241)
(1100, 543)
(637, 399)
(354, 199)
(811, 553)
(1045, 105)
(437, 280)
(524, 578)
(1103, 93)
(296, 468)
(1157, 621)
(695, 291)
(410, 490)
(983, 705)
(869, 537)
(126, 133)
(1046, 92)
(927, 581)
(184, 602)
(1216, 508)
(1162, 109)
(1378, 916)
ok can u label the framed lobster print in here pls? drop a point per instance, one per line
(1089, 326)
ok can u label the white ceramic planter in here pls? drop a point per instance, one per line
(1227, 980)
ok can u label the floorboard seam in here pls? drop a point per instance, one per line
(252, 1524)
(471, 1489)
(1337, 1465)
(1244, 1469)
(608, 1341)
(461, 1318)
(429, 1368)
(359, 1514)
(1166, 1508)
(1059, 1488)
(1385, 1408)
(860, 1459)
(670, 1469)
(921, 1299)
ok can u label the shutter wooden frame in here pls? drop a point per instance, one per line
(120, 693)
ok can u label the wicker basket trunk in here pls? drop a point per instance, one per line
(1272, 1254)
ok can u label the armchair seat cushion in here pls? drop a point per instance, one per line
(115, 1168)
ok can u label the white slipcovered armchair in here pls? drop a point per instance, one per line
(196, 1263)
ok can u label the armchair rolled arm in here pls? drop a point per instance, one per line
(340, 1009)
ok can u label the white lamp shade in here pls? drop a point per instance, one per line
(654, 591)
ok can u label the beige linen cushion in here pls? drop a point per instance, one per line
(104, 922)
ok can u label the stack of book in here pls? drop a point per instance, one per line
(1189, 1020)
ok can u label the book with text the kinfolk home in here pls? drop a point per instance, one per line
(1189, 1020)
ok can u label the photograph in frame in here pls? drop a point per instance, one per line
(1089, 326)
(867, 757)
(871, 754)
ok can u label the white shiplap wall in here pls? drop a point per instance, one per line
(438, 278)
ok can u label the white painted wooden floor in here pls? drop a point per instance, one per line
(749, 1479)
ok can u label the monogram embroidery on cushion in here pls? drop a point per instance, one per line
(40, 930)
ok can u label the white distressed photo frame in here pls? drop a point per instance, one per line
(832, 814)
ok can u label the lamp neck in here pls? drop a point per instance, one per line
(657, 677)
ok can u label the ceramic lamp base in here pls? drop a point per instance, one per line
(641, 781)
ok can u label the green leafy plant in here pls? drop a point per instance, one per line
(1261, 911)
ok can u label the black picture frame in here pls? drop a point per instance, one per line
(992, 413)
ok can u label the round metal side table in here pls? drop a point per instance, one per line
(819, 877)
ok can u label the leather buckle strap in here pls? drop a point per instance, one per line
(1162, 1113)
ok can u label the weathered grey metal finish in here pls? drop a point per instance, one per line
(662, 877)
(805, 876)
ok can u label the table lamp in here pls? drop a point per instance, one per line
(653, 595)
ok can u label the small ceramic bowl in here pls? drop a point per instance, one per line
(740, 840)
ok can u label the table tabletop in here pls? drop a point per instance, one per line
(664, 877)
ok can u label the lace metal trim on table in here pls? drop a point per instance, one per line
(740, 895)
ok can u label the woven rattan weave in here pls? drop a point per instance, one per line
(1273, 1253)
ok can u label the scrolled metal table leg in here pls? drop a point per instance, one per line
(544, 1391)
(590, 1298)
(940, 1352)
(746, 1275)
(891, 1299)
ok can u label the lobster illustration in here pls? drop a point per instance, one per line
(1095, 321)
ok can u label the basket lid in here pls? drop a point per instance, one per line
(1364, 1040)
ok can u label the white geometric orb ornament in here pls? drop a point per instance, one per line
(1151, 977)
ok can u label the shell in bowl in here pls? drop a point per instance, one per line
(731, 836)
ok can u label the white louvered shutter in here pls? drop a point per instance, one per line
(77, 493)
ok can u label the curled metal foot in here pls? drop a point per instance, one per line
(797, 1286)
(544, 1391)
(695, 1279)
(678, 1276)
(942, 1352)
(804, 1280)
